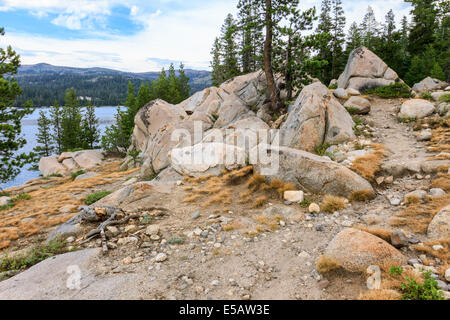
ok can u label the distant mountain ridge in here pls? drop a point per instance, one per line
(43, 83)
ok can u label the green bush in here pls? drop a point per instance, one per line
(94, 197)
(445, 98)
(321, 149)
(78, 173)
(426, 96)
(406, 120)
(333, 87)
(396, 90)
(352, 110)
(429, 290)
(175, 240)
(395, 271)
(34, 256)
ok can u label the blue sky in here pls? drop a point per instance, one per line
(133, 35)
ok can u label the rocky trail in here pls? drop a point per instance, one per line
(374, 194)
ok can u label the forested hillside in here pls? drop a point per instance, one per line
(43, 83)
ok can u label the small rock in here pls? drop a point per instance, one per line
(130, 228)
(160, 257)
(314, 208)
(294, 196)
(437, 192)
(380, 180)
(442, 285)
(198, 231)
(246, 297)
(389, 180)
(412, 262)
(399, 239)
(447, 274)
(323, 284)
(438, 247)
(137, 260)
(127, 260)
(152, 229)
(395, 201)
(215, 282)
(196, 215)
(316, 275)
(113, 230)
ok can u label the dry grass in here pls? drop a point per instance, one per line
(411, 199)
(443, 255)
(382, 294)
(382, 233)
(369, 165)
(325, 264)
(362, 195)
(418, 216)
(442, 182)
(272, 222)
(331, 204)
(440, 142)
(45, 204)
(259, 202)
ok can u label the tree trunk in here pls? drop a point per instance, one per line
(274, 95)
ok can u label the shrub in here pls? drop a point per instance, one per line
(429, 290)
(78, 173)
(406, 120)
(325, 264)
(395, 271)
(94, 197)
(331, 204)
(426, 96)
(34, 256)
(445, 98)
(333, 87)
(396, 90)
(175, 240)
(321, 149)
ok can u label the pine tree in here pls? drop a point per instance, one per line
(56, 119)
(116, 138)
(354, 38)
(160, 86)
(10, 118)
(229, 48)
(130, 104)
(337, 38)
(173, 93)
(251, 37)
(437, 73)
(370, 29)
(91, 134)
(44, 138)
(324, 29)
(183, 84)
(71, 122)
(292, 49)
(424, 24)
(217, 76)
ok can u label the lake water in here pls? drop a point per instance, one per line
(30, 129)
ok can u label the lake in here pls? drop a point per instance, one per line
(30, 129)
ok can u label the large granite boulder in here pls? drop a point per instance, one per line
(309, 172)
(439, 228)
(416, 108)
(207, 158)
(50, 165)
(315, 118)
(70, 162)
(356, 250)
(365, 70)
(429, 84)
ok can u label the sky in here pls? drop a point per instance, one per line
(134, 35)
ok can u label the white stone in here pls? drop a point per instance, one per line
(152, 230)
(294, 196)
(314, 208)
(160, 257)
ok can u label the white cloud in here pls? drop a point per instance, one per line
(181, 35)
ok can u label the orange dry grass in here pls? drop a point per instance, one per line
(331, 204)
(442, 182)
(382, 233)
(325, 264)
(418, 216)
(440, 142)
(45, 204)
(443, 255)
(363, 195)
(382, 294)
(369, 165)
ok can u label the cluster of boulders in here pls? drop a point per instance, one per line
(70, 162)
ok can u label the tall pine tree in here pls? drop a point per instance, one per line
(44, 139)
(10, 118)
